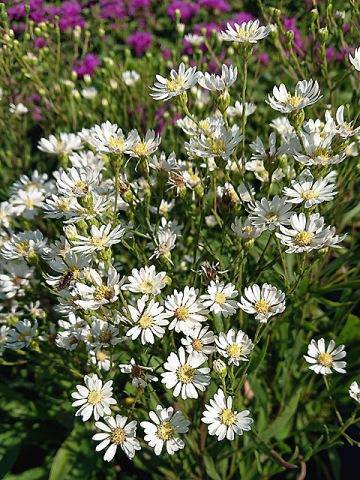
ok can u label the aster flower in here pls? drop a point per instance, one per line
(282, 127)
(185, 309)
(323, 360)
(222, 142)
(21, 336)
(109, 138)
(183, 375)
(25, 245)
(179, 81)
(305, 189)
(94, 398)
(25, 203)
(307, 233)
(100, 358)
(269, 215)
(234, 345)
(219, 83)
(306, 93)
(164, 429)
(246, 32)
(148, 320)
(219, 298)
(67, 143)
(264, 301)
(343, 128)
(317, 149)
(99, 238)
(145, 281)
(355, 60)
(103, 334)
(141, 376)
(238, 109)
(130, 77)
(245, 229)
(144, 147)
(200, 339)
(222, 420)
(91, 297)
(116, 432)
(18, 109)
(354, 390)
(76, 182)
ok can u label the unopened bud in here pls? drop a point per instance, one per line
(219, 368)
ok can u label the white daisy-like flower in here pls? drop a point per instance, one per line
(270, 214)
(185, 309)
(100, 358)
(4, 336)
(307, 233)
(306, 93)
(219, 298)
(184, 376)
(246, 32)
(76, 182)
(140, 376)
(109, 138)
(221, 142)
(86, 159)
(200, 339)
(163, 163)
(18, 108)
(234, 345)
(309, 191)
(94, 398)
(99, 238)
(343, 128)
(26, 203)
(355, 60)
(91, 297)
(145, 281)
(21, 335)
(316, 149)
(179, 81)
(148, 320)
(265, 301)
(164, 429)
(354, 390)
(194, 39)
(164, 242)
(244, 229)
(282, 127)
(67, 143)
(238, 109)
(24, 245)
(117, 433)
(144, 147)
(323, 360)
(103, 334)
(130, 77)
(222, 420)
(219, 83)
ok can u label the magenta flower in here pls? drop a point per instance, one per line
(140, 42)
(87, 65)
(187, 10)
(220, 5)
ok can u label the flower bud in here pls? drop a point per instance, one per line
(219, 368)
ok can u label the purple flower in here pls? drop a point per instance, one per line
(39, 42)
(187, 10)
(166, 53)
(221, 5)
(140, 42)
(209, 27)
(70, 15)
(87, 65)
(290, 25)
(264, 58)
(241, 17)
(114, 9)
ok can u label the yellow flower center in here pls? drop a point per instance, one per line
(146, 286)
(325, 359)
(248, 229)
(103, 292)
(182, 313)
(227, 417)
(141, 149)
(165, 431)
(309, 195)
(98, 241)
(146, 321)
(294, 100)
(234, 350)
(23, 247)
(217, 146)
(118, 436)
(185, 373)
(262, 306)
(220, 298)
(80, 186)
(29, 203)
(94, 397)
(303, 239)
(322, 154)
(105, 336)
(64, 204)
(116, 143)
(271, 217)
(175, 85)
(101, 356)
(197, 345)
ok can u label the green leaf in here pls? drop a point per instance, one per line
(351, 330)
(9, 459)
(211, 468)
(283, 421)
(37, 473)
(65, 457)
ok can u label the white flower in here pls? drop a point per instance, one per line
(164, 164)
(306, 93)
(238, 109)
(318, 149)
(355, 60)
(103, 334)
(109, 138)
(270, 214)
(89, 92)
(21, 335)
(164, 242)
(220, 142)
(199, 339)
(324, 360)
(15, 279)
(305, 189)
(67, 143)
(94, 398)
(116, 433)
(164, 429)
(140, 375)
(194, 39)
(264, 301)
(247, 32)
(148, 320)
(144, 147)
(86, 158)
(130, 77)
(24, 245)
(99, 238)
(91, 297)
(235, 346)
(343, 128)
(26, 203)
(185, 309)
(18, 108)
(219, 83)
(219, 298)
(145, 281)
(76, 181)
(179, 82)
(223, 421)
(4, 337)
(354, 390)
(184, 376)
(101, 359)
(245, 229)
(307, 233)
(282, 126)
